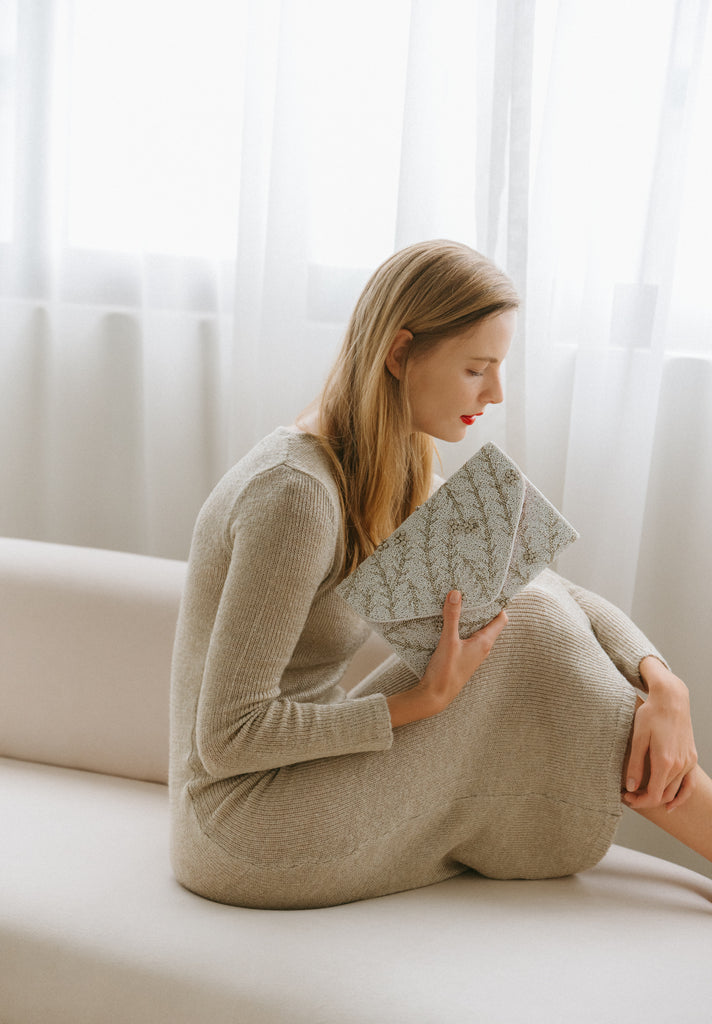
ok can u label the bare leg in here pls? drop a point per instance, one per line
(691, 823)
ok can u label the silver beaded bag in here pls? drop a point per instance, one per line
(487, 531)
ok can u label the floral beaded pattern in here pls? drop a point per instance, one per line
(487, 532)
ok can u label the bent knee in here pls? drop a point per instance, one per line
(548, 607)
(550, 636)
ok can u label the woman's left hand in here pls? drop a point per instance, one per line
(662, 753)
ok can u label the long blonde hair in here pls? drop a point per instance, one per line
(384, 470)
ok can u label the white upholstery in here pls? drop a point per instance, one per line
(85, 648)
(93, 927)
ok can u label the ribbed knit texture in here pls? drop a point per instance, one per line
(287, 793)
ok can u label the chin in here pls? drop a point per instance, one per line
(451, 435)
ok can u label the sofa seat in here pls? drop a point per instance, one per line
(93, 928)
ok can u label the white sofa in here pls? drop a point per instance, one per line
(93, 927)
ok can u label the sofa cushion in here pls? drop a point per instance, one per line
(85, 646)
(94, 928)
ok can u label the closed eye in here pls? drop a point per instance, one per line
(475, 373)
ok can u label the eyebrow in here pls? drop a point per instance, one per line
(483, 359)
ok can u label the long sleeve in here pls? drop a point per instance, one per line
(620, 638)
(281, 535)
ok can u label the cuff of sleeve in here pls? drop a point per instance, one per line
(629, 660)
(379, 727)
(649, 654)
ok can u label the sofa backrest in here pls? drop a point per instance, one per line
(86, 638)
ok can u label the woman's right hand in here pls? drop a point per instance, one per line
(452, 663)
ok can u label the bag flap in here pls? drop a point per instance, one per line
(462, 537)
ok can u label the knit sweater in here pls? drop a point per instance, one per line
(287, 792)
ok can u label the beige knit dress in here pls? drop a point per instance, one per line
(285, 792)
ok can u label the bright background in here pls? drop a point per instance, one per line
(193, 192)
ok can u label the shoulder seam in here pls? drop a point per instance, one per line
(284, 465)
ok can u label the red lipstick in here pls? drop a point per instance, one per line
(469, 420)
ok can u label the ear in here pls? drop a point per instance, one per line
(397, 353)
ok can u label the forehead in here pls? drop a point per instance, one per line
(486, 341)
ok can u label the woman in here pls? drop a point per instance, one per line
(505, 757)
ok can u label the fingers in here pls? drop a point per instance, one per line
(653, 795)
(491, 631)
(662, 755)
(666, 779)
(451, 620)
(684, 792)
(657, 785)
(636, 761)
(451, 615)
(658, 792)
(676, 794)
(454, 660)
(672, 789)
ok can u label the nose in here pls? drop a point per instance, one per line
(494, 393)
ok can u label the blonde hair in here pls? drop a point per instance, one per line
(384, 471)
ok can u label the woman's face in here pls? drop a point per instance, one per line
(453, 383)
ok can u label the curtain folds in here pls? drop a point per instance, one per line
(193, 194)
(180, 249)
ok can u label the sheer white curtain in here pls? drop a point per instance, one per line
(116, 274)
(193, 193)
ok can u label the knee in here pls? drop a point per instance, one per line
(547, 612)
(549, 634)
(533, 602)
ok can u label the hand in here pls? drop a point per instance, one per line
(662, 754)
(453, 662)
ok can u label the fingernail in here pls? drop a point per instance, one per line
(631, 785)
(454, 597)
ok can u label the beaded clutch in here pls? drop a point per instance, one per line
(487, 531)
